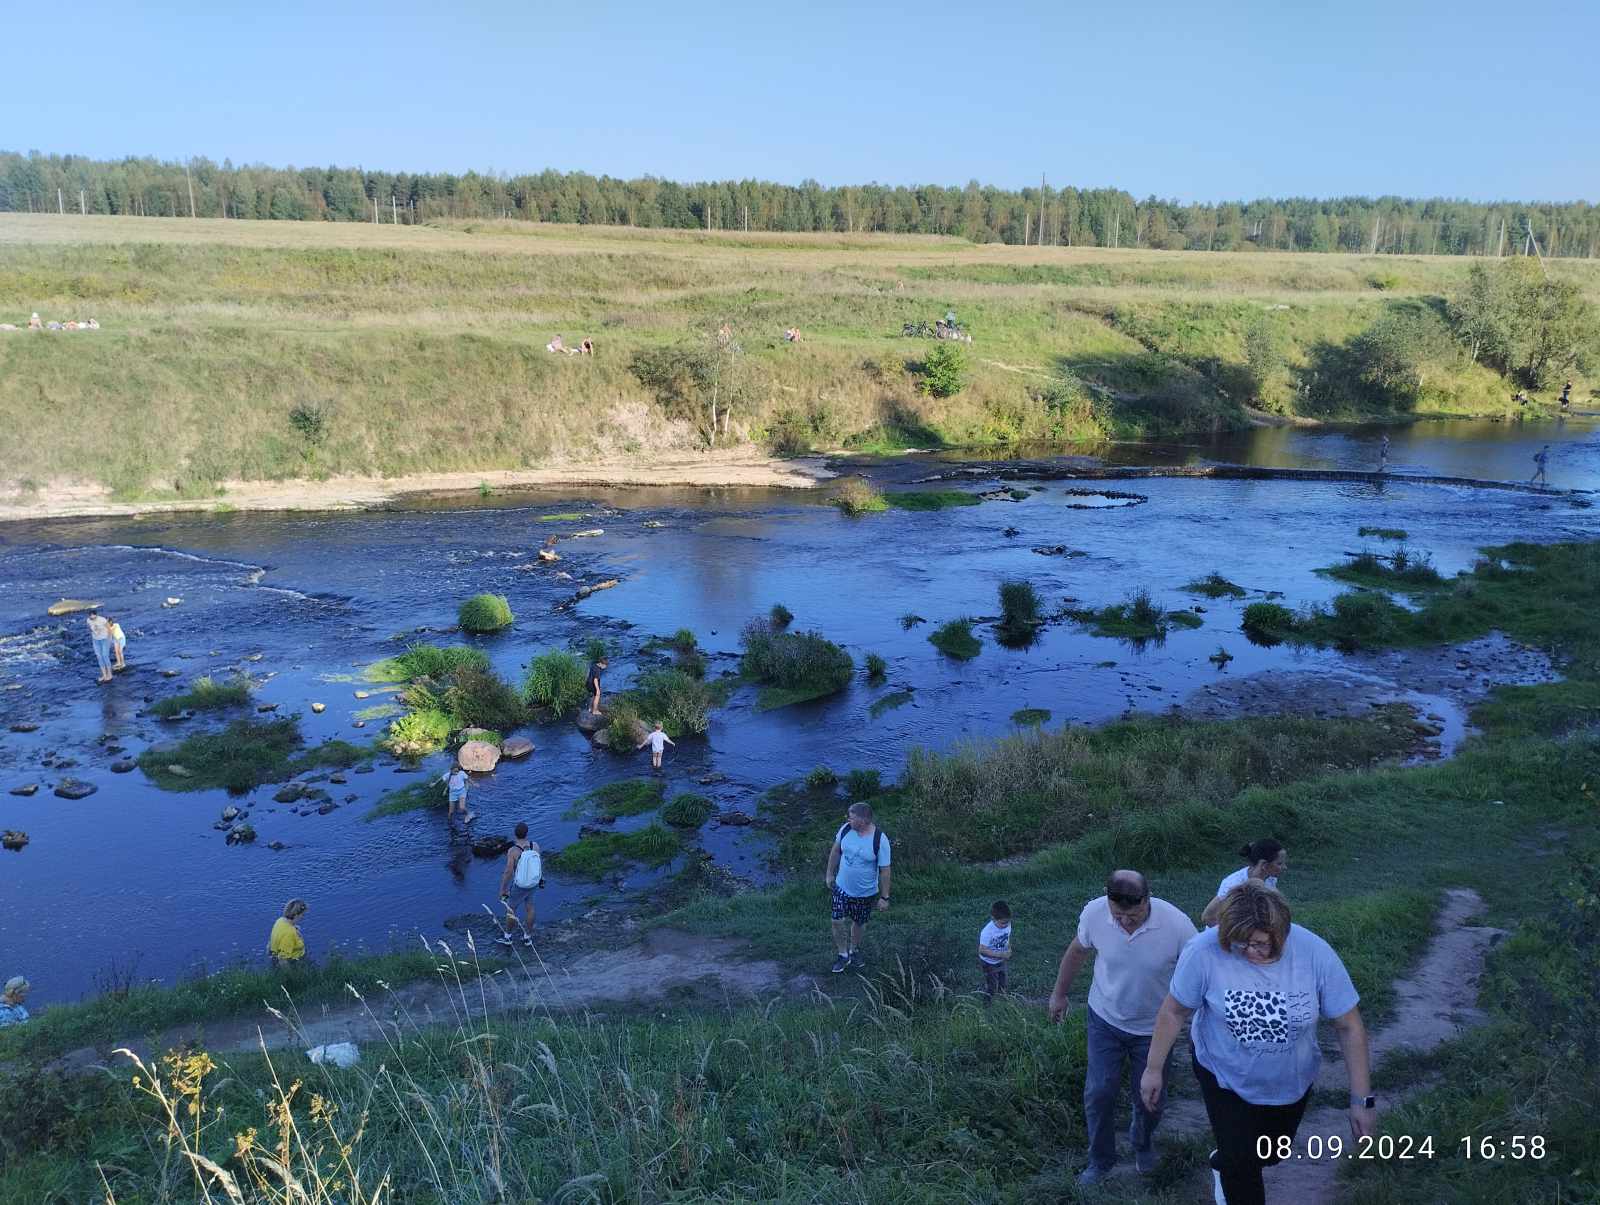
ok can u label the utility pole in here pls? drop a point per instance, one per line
(1041, 209)
(190, 179)
(61, 205)
(394, 206)
(83, 205)
(1535, 243)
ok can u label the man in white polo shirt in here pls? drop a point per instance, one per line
(1139, 939)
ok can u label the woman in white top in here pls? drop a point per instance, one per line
(1265, 858)
(100, 636)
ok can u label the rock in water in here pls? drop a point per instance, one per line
(738, 818)
(516, 747)
(319, 708)
(25, 726)
(27, 788)
(488, 845)
(472, 734)
(274, 844)
(266, 707)
(289, 792)
(230, 813)
(67, 606)
(123, 765)
(602, 739)
(337, 778)
(361, 694)
(13, 838)
(75, 788)
(241, 834)
(179, 771)
(589, 723)
(478, 757)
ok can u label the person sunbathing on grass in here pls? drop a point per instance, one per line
(555, 344)
(586, 347)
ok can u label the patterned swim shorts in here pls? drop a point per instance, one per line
(857, 907)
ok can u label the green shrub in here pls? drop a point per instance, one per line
(931, 499)
(424, 660)
(858, 497)
(624, 797)
(429, 792)
(555, 680)
(672, 696)
(910, 620)
(942, 370)
(480, 698)
(781, 615)
(1139, 618)
(863, 784)
(594, 648)
(687, 810)
(1214, 585)
(954, 638)
(1267, 619)
(593, 855)
(821, 776)
(622, 732)
(1019, 612)
(205, 695)
(243, 756)
(417, 734)
(484, 613)
(1400, 570)
(876, 667)
(684, 641)
(798, 665)
(1030, 717)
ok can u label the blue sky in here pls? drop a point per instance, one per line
(1466, 99)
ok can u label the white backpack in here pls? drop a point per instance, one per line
(530, 869)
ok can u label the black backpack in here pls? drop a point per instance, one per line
(877, 839)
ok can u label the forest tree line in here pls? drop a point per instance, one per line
(1101, 217)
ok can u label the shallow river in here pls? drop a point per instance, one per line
(133, 873)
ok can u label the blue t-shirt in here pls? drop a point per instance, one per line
(1255, 1026)
(858, 869)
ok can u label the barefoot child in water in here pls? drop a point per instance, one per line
(657, 740)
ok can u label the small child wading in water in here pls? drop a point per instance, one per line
(118, 640)
(657, 740)
(456, 785)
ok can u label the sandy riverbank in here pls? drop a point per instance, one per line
(739, 467)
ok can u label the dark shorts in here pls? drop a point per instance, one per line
(857, 907)
(517, 897)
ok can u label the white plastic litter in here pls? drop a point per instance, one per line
(340, 1054)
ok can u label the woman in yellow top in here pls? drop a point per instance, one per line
(285, 946)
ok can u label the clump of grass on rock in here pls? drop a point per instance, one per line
(1214, 585)
(425, 660)
(859, 497)
(796, 666)
(954, 638)
(623, 797)
(1019, 613)
(244, 755)
(484, 613)
(687, 810)
(205, 695)
(594, 855)
(554, 681)
(1141, 617)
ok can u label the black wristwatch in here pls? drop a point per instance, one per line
(1363, 1102)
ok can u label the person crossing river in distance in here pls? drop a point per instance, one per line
(1265, 859)
(1138, 938)
(1253, 989)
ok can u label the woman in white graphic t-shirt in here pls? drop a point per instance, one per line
(1265, 859)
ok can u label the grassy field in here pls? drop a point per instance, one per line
(242, 351)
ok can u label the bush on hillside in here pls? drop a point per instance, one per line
(942, 370)
(484, 613)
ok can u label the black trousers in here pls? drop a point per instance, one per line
(1238, 1125)
(994, 978)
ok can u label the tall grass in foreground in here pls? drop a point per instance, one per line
(879, 1099)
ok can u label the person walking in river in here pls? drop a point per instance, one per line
(1541, 458)
(858, 875)
(100, 637)
(523, 875)
(455, 784)
(1252, 990)
(1265, 859)
(1139, 939)
(1383, 455)
(118, 641)
(657, 740)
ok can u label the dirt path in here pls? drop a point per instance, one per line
(738, 467)
(663, 963)
(1436, 1001)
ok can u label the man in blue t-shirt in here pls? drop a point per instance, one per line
(858, 873)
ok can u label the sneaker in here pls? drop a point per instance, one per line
(1145, 1160)
(1217, 1196)
(841, 964)
(527, 940)
(504, 939)
(856, 960)
(1093, 1175)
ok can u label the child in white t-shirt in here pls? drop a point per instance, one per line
(657, 740)
(994, 949)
